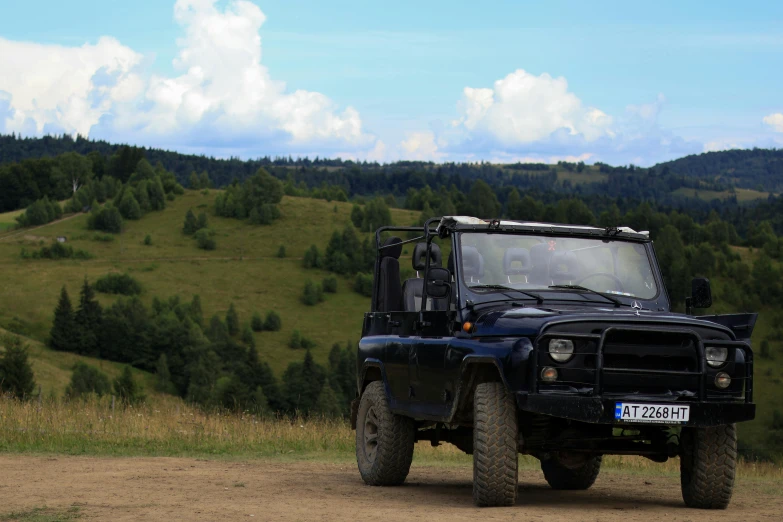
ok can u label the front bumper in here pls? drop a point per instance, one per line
(598, 410)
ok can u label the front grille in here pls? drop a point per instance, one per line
(644, 350)
(635, 359)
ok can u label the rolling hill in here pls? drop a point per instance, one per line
(243, 270)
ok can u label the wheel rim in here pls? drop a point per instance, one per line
(371, 435)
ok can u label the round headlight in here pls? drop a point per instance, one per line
(716, 356)
(561, 350)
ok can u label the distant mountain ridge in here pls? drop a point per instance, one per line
(760, 169)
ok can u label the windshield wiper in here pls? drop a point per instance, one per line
(617, 302)
(537, 297)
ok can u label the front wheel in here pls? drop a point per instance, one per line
(384, 441)
(708, 458)
(495, 433)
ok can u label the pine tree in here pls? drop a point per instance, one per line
(217, 332)
(88, 321)
(204, 181)
(261, 402)
(328, 404)
(194, 181)
(16, 374)
(203, 221)
(191, 224)
(257, 323)
(232, 321)
(273, 322)
(157, 194)
(195, 312)
(63, 335)
(357, 215)
(142, 196)
(163, 375)
(126, 388)
(281, 251)
(247, 337)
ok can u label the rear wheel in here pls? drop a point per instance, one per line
(708, 458)
(495, 434)
(565, 473)
(384, 441)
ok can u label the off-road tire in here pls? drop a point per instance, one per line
(561, 477)
(394, 435)
(495, 434)
(708, 458)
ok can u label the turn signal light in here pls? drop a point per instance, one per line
(549, 374)
(722, 380)
(467, 327)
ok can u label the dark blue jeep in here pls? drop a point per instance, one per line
(555, 341)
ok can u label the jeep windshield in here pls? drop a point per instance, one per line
(537, 263)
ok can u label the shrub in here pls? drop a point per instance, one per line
(106, 219)
(204, 239)
(273, 322)
(300, 341)
(148, 240)
(329, 285)
(86, 380)
(126, 388)
(281, 251)
(56, 252)
(363, 285)
(104, 238)
(16, 374)
(312, 258)
(257, 323)
(122, 284)
(191, 223)
(312, 294)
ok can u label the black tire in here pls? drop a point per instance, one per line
(570, 478)
(708, 458)
(384, 441)
(495, 434)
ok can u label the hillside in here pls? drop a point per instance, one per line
(760, 169)
(243, 270)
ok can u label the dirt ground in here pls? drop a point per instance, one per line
(190, 489)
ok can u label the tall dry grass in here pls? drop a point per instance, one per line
(172, 428)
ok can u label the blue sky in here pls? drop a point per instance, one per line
(500, 81)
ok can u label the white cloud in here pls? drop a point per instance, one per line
(420, 146)
(775, 121)
(524, 108)
(222, 94)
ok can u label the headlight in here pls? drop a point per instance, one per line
(561, 350)
(716, 356)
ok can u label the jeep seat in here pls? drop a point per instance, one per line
(516, 261)
(540, 254)
(413, 289)
(389, 297)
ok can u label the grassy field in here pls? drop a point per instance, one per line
(243, 269)
(171, 428)
(743, 195)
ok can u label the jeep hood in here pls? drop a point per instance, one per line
(531, 321)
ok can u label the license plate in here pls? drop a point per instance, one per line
(653, 413)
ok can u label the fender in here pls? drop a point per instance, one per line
(469, 364)
(367, 366)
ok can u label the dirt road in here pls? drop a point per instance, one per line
(189, 489)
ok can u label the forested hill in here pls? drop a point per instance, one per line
(760, 169)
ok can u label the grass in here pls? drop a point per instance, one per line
(172, 428)
(43, 514)
(743, 195)
(244, 270)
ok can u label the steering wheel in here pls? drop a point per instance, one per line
(604, 274)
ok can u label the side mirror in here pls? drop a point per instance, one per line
(438, 283)
(701, 293)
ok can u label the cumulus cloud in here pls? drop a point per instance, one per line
(775, 121)
(420, 146)
(524, 108)
(538, 118)
(222, 95)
